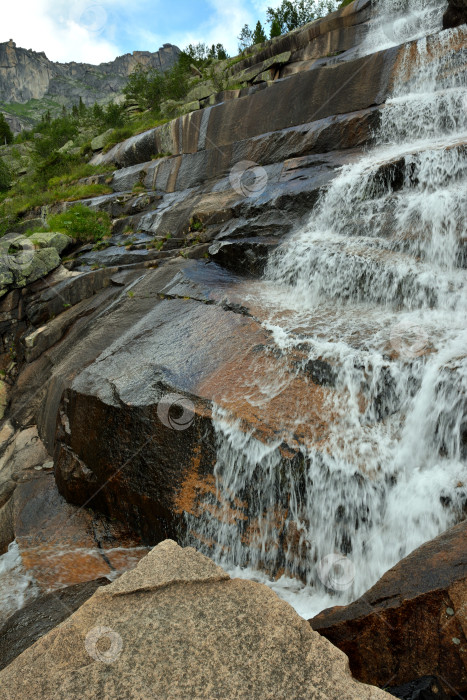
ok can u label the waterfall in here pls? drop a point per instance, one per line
(17, 586)
(371, 297)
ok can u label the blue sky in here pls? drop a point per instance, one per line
(99, 30)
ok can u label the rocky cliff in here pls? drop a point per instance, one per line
(26, 75)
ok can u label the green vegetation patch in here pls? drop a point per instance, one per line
(81, 223)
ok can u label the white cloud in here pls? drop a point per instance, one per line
(94, 31)
(76, 31)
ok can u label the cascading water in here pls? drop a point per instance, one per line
(371, 295)
(16, 585)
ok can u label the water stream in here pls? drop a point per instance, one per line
(371, 294)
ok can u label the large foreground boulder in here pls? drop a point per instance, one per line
(413, 622)
(179, 627)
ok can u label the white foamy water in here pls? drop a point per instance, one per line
(399, 21)
(372, 294)
(16, 585)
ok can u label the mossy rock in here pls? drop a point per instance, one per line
(201, 91)
(98, 143)
(31, 266)
(51, 239)
(190, 107)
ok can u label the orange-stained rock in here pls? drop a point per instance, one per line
(413, 622)
(61, 545)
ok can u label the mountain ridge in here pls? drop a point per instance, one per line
(31, 84)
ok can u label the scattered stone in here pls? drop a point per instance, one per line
(67, 147)
(98, 143)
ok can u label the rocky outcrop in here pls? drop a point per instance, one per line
(456, 14)
(26, 75)
(413, 622)
(24, 260)
(59, 545)
(179, 627)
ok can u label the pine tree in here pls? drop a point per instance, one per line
(276, 29)
(6, 134)
(5, 176)
(259, 34)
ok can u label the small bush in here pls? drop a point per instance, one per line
(5, 177)
(81, 223)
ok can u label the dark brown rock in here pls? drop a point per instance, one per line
(426, 688)
(61, 545)
(413, 622)
(456, 14)
(40, 616)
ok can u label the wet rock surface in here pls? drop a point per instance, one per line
(122, 355)
(427, 688)
(456, 14)
(40, 616)
(412, 622)
(180, 609)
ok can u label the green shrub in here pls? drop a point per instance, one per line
(81, 223)
(5, 176)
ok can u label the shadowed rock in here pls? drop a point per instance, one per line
(38, 617)
(456, 14)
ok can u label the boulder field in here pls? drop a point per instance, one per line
(116, 362)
